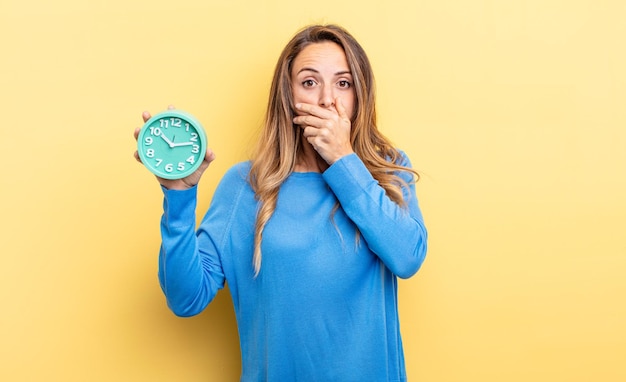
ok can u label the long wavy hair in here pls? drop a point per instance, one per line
(280, 144)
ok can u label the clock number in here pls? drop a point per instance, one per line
(150, 153)
(194, 137)
(155, 131)
(174, 122)
(158, 162)
(191, 160)
(148, 141)
(186, 127)
(169, 167)
(181, 166)
(195, 149)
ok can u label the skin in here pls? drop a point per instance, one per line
(324, 100)
(324, 97)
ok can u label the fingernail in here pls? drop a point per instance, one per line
(298, 105)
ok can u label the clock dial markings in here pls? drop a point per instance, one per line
(171, 163)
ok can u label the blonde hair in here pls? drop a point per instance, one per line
(280, 142)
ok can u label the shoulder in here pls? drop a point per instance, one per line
(234, 184)
(235, 178)
(239, 173)
(405, 168)
(402, 159)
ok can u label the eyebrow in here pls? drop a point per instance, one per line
(339, 73)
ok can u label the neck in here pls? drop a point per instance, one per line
(310, 160)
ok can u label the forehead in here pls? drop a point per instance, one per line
(326, 54)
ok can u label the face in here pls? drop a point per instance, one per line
(319, 74)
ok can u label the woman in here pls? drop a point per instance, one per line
(310, 234)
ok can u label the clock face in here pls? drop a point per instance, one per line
(172, 144)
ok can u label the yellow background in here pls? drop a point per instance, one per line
(513, 111)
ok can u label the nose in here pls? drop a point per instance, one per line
(327, 97)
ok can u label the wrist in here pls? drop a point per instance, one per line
(175, 185)
(340, 156)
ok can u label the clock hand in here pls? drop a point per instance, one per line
(181, 144)
(170, 143)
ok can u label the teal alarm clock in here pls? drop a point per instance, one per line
(172, 144)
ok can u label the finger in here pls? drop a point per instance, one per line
(300, 120)
(310, 132)
(136, 155)
(146, 116)
(314, 110)
(209, 156)
(305, 120)
(302, 107)
(136, 132)
(341, 109)
(170, 107)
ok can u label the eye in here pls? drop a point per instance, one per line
(345, 84)
(308, 83)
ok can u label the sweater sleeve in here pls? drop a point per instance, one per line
(395, 234)
(189, 277)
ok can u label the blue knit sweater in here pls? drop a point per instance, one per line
(324, 306)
